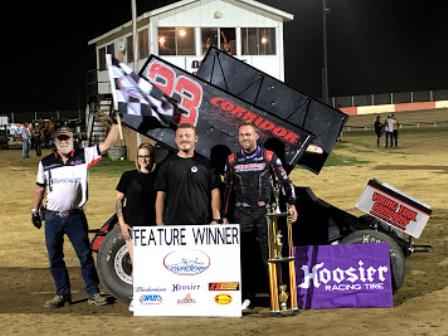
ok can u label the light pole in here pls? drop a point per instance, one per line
(325, 11)
(135, 50)
(134, 34)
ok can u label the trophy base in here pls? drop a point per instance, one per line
(284, 313)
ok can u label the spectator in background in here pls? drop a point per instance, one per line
(36, 134)
(395, 131)
(26, 138)
(389, 128)
(207, 44)
(46, 133)
(379, 129)
(225, 44)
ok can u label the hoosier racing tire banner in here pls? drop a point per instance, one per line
(343, 276)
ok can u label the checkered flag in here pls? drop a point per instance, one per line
(134, 95)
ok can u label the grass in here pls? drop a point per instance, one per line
(108, 167)
(343, 160)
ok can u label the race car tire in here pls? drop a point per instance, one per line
(397, 259)
(114, 265)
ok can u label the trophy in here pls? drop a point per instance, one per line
(282, 302)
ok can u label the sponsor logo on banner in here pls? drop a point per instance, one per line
(394, 207)
(341, 279)
(186, 262)
(149, 289)
(223, 299)
(344, 275)
(185, 287)
(187, 299)
(150, 299)
(223, 286)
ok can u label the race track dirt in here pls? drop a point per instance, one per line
(419, 167)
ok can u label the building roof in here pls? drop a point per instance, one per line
(283, 15)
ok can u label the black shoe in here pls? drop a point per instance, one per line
(57, 301)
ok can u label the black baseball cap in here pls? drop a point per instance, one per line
(67, 131)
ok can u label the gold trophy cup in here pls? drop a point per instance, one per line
(282, 301)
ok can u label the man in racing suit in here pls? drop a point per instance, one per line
(248, 179)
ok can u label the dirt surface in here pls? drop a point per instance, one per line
(419, 167)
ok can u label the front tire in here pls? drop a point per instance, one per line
(397, 259)
(114, 265)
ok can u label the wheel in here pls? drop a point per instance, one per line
(397, 258)
(374, 224)
(114, 265)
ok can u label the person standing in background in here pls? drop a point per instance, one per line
(395, 131)
(36, 134)
(379, 130)
(389, 128)
(26, 140)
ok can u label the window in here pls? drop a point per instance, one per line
(176, 41)
(185, 41)
(109, 49)
(130, 49)
(258, 41)
(142, 42)
(102, 58)
(167, 41)
(209, 37)
(223, 38)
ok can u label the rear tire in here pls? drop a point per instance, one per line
(397, 259)
(114, 265)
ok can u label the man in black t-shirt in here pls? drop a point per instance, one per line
(186, 186)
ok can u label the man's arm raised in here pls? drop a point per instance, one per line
(111, 139)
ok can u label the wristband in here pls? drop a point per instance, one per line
(33, 210)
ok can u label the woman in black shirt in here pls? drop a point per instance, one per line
(135, 196)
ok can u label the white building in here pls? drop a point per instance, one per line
(181, 33)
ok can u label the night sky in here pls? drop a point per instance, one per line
(374, 46)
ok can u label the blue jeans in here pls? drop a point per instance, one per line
(75, 226)
(25, 148)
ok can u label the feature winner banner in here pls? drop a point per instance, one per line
(189, 270)
(215, 113)
(343, 276)
(394, 207)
